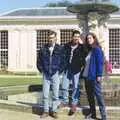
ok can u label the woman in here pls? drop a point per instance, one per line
(93, 76)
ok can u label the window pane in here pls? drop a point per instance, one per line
(42, 37)
(66, 35)
(3, 49)
(114, 47)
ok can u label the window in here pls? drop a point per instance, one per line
(114, 47)
(3, 49)
(42, 37)
(66, 35)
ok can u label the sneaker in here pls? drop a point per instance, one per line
(44, 115)
(90, 117)
(54, 115)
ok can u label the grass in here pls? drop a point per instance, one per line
(17, 81)
(113, 80)
(34, 80)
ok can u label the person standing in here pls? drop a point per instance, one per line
(93, 76)
(74, 52)
(49, 64)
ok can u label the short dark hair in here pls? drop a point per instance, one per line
(75, 32)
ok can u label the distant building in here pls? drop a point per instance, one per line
(23, 31)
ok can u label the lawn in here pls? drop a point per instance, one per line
(17, 81)
(34, 80)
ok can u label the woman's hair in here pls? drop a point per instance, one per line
(96, 42)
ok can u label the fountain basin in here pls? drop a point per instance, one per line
(85, 8)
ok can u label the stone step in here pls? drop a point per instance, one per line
(112, 112)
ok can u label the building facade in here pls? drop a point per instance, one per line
(23, 31)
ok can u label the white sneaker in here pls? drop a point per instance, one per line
(88, 117)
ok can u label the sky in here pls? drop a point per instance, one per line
(8, 5)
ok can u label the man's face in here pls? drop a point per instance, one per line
(52, 39)
(75, 39)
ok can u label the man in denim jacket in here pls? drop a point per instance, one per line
(50, 65)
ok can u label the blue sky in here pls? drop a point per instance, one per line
(7, 5)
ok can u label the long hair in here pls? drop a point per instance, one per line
(95, 43)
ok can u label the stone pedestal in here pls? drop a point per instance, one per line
(96, 23)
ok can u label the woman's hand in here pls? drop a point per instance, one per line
(100, 79)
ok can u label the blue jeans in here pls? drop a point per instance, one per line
(93, 89)
(65, 86)
(100, 100)
(54, 81)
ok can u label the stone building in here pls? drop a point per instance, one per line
(23, 31)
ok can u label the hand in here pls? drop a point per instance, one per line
(100, 79)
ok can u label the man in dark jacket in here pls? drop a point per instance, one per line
(49, 64)
(75, 59)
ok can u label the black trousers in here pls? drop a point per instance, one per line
(89, 86)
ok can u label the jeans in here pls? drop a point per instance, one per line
(100, 100)
(54, 81)
(65, 86)
(93, 88)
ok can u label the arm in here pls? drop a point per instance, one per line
(99, 63)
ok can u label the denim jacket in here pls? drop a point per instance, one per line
(50, 65)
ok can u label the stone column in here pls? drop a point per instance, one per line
(83, 24)
(27, 49)
(31, 49)
(13, 48)
(104, 34)
(22, 49)
(93, 22)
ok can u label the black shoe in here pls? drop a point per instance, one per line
(54, 115)
(72, 111)
(44, 115)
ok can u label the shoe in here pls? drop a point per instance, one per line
(72, 110)
(54, 115)
(90, 117)
(44, 115)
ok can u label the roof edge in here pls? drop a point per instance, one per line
(8, 12)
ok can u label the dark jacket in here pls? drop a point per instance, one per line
(96, 64)
(78, 59)
(45, 64)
